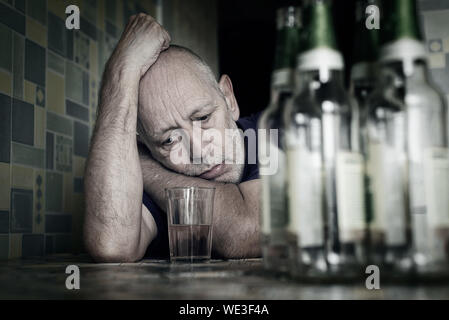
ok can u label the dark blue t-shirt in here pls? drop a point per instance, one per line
(159, 246)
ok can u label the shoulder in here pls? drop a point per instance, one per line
(249, 122)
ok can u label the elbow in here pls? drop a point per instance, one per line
(112, 256)
(106, 251)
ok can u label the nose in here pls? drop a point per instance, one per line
(199, 143)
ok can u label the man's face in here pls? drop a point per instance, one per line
(184, 120)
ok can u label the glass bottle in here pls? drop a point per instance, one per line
(422, 127)
(325, 175)
(274, 219)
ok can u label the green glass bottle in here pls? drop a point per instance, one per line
(274, 219)
(325, 175)
(409, 149)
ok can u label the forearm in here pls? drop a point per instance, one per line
(236, 218)
(113, 179)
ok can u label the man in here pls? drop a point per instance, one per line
(157, 90)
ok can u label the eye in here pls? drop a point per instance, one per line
(168, 142)
(172, 140)
(203, 118)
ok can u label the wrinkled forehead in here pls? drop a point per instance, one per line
(169, 95)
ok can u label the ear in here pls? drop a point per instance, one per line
(226, 88)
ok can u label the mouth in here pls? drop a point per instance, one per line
(214, 172)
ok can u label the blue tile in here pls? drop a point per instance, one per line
(32, 245)
(111, 10)
(88, 28)
(75, 110)
(6, 52)
(5, 128)
(58, 243)
(4, 247)
(48, 244)
(37, 9)
(18, 65)
(62, 243)
(78, 185)
(12, 19)
(20, 5)
(4, 222)
(81, 134)
(50, 148)
(111, 29)
(58, 223)
(22, 122)
(35, 61)
(21, 211)
(60, 40)
(53, 192)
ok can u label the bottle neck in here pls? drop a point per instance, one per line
(318, 26)
(401, 22)
(287, 44)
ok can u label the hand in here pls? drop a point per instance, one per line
(140, 45)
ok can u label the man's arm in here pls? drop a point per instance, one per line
(236, 207)
(117, 226)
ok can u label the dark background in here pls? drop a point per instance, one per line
(247, 36)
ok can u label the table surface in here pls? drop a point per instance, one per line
(150, 279)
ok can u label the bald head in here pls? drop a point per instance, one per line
(177, 91)
(182, 61)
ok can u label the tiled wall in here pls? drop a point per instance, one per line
(435, 17)
(49, 82)
(49, 79)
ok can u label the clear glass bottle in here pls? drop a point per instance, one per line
(363, 81)
(276, 240)
(325, 175)
(424, 161)
(389, 228)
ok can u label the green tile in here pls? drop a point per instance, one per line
(37, 9)
(18, 65)
(76, 84)
(4, 247)
(59, 124)
(22, 154)
(6, 51)
(55, 62)
(53, 192)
